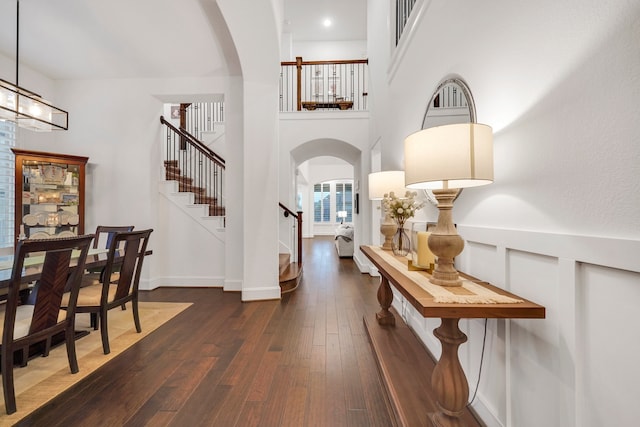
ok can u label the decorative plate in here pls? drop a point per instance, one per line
(74, 219)
(63, 217)
(39, 235)
(30, 220)
(54, 174)
(42, 217)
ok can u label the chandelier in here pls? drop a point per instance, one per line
(27, 109)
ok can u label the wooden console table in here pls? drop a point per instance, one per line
(448, 380)
(342, 105)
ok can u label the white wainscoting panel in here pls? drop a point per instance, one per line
(537, 354)
(608, 346)
(575, 368)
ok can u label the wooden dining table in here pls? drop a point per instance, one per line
(32, 270)
(96, 258)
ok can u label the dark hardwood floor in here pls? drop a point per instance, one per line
(302, 361)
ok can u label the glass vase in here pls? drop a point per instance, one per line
(401, 242)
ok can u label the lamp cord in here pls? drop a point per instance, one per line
(484, 341)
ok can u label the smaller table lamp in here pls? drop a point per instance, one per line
(381, 183)
(342, 215)
(445, 159)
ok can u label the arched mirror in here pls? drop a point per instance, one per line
(450, 103)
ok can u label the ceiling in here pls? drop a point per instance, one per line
(81, 39)
(304, 19)
(78, 39)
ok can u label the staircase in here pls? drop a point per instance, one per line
(194, 177)
(290, 274)
(185, 185)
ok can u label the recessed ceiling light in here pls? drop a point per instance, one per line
(327, 22)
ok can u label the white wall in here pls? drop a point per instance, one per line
(327, 51)
(558, 83)
(260, 152)
(342, 134)
(124, 146)
(115, 122)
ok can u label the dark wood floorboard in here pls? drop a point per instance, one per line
(302, 361)
(305, 360)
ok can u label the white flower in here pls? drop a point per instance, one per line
(401, 208)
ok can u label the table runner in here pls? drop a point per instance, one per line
(468, 293)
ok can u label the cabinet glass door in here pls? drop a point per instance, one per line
(49, 195)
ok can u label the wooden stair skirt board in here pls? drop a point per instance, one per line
(185, 185)
(290, 273)
(406, 366)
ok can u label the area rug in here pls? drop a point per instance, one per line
(45, 378)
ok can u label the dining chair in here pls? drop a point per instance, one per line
(99, 299)
(24, 325)
(108, 231)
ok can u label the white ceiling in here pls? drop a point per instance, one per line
(304, 18)
(87, 39)
(78, 39)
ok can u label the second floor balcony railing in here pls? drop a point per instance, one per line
(403, 11)
(324, 85)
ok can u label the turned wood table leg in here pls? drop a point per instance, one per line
(385, 297)
(448, 379)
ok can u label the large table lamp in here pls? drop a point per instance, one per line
(445, 159)
(381, 183)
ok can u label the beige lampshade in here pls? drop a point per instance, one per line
(451, 156)
(342, 214)
(381, 183)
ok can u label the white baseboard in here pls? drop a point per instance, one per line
(233, 285)
(488, 418)
(182, 282)
(260, 294)
(364, 265)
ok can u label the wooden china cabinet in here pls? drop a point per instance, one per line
(49, 194)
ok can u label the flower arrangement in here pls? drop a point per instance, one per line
(401, 208)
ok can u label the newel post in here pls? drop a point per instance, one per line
(299, 81)
(299, 237)
(183, 124)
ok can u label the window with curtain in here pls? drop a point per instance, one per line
(7, 183)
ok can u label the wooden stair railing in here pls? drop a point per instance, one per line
(298, 217)
(201, 117)
(291, 272)
(196, 167)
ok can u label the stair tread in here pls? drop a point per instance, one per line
(291, 277)
(177, 177)
(291, 271)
